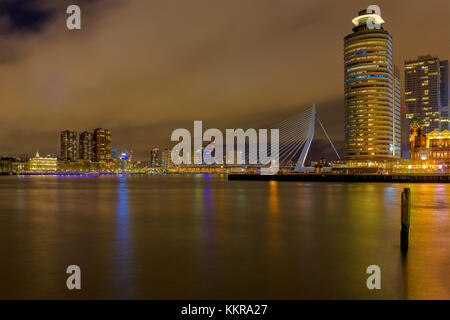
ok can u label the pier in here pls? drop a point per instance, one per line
(416, 178)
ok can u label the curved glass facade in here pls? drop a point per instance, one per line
(370, 108)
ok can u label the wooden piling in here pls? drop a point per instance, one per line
(405, 219)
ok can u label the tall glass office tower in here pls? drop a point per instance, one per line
(372, 92)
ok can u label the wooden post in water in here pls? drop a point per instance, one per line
(405, 219)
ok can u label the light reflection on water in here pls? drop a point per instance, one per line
(123, 241)
(201, 237)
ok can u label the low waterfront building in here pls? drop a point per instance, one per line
(6, 164)
(42, 164)
(19, 166)
(432, 147)
(11, 165)
(76, 166)
(438, 142)
(111, 165)
(437, 147)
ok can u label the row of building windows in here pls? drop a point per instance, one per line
(361, 46)
(370, 59)
(359, 43)
(439, 142)
(366, 66)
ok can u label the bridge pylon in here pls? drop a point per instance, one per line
(300, 166)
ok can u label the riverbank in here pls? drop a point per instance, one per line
(78, 174)
(425, 178)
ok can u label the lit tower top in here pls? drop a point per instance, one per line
(363, 17)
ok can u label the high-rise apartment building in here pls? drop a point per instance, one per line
(397, 123)
(426, 92)
(445, 101)
(372, 92)
(68, 145)
(102, 144)
(86, 146)
(155, 160)
(166, 158)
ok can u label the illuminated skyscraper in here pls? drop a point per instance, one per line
(397, 123)
(166, 158)
(372, 92)
(86, 146)
(102, 144)
(155, 160)
(445, 101)
(426, 92)
(68, 145)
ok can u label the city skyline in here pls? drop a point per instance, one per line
(250, 94)
(239, 158)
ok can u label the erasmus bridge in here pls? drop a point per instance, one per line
(295, 137)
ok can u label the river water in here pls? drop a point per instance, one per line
(204, 237)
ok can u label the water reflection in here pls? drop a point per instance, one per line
(426, 263)
(123, 241)
(273, 224)
(197, 237)
(122, 211)
(208, 213)
(273, 198)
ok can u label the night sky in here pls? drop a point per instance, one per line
(144, 68)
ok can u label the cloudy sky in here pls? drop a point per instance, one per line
(143, 68)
